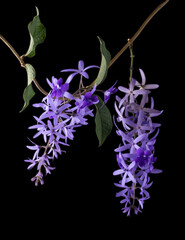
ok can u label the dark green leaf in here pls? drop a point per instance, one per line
(37, 33)
(106, 58)
(28, 91)
(103, 121)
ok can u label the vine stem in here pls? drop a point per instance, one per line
(128, 44)
(13, 50)
(21, 60)
(138, 32)
(131, 59)
(130, 41)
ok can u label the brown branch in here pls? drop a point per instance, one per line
(138, 32)
(11, 48)
(21, 60)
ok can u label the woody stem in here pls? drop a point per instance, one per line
(21, 60)
(13, 50)
(138, 32)
(131, 59)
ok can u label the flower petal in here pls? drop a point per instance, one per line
(124, 179)
(50, 84)
(118, 172)
(91, 66)
(143, 77)
(69, 70)
(123, 89)
(71, 76)
(131, 165)
(140, 138)
(131, 177)
(151, 86)
(156, 171)
(81, 65)
(84, 74)
(122, 148)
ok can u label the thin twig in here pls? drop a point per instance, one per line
(11, 48)
(138, 32)
(21, 60)
(131, 59)
(39, 87)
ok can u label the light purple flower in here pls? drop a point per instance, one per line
(56, 110)
(109, 92)
(38, 178)
(32, 163)
(133, 143)
(41, 128)
(131, 94)
(35, 148)
(81, 70)
(143, 83)
(126, 170)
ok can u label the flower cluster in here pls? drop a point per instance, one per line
(135, 155)
(62, 113)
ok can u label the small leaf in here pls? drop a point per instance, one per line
(106, 58)
(37, 33)
(28, 91)
(103, 121)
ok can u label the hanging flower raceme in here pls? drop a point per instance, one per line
(62, 114)
(135, 154)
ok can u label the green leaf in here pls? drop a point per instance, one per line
(28, 91)
(106, 58)
(103, 121)
(37, 33)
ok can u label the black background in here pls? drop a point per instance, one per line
(79, 197)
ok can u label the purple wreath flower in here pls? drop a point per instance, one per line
(126, 170)
(136, 152)
(38, 178)
(144, 158)
(130, 92)
(109, 92)
(58, 89)
(143, 82)
(81, 70)
(87, 100)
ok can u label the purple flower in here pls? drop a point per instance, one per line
(38, 178)
(136, 152)
(108, 93)
(81, 70)
(144, 157)
(133, 143)
(87, 100)
(126, 170)
(35, 148)
(58, 89)
(143, 84)
(52, 132)
(32, 163)
(56, 109)
(131, 94)
(41, 128)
